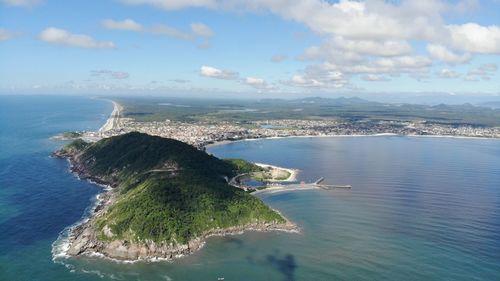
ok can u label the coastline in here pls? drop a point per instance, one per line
(81, 237)
(224, 142)
(293, 172)
(113, 121)
(82, 229)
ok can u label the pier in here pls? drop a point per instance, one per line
(318, 184)
(320, 180)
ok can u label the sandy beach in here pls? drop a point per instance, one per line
(218, 143)
(113, 121)
(291, 178)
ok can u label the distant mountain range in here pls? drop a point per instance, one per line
(491, 104)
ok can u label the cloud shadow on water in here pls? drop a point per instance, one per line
(285, 264)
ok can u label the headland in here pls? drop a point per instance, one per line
(160, 206)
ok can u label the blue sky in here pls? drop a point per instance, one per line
(261, 48)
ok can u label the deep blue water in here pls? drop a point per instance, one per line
(38, 196)
(419, 209)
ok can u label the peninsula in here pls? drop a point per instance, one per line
(166, 198)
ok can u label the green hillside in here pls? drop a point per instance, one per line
(243, 166)
(168, 190)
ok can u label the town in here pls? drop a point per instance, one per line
(201, 134)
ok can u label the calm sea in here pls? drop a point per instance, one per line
(419, 209)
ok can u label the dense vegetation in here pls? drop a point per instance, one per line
(71, 135)
(169, 191)
(267, 175)
(75, 146)
(243, 166)
(346, 109)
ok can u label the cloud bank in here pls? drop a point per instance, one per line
(55, 35)
(368, 38)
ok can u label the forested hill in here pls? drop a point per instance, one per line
(168, 190)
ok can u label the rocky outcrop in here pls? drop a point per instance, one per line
(84, 241)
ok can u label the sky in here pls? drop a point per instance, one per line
(262, 48)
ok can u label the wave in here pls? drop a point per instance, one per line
(61, 245)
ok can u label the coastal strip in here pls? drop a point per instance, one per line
(293, 172)
(113, 121)
(225, 142)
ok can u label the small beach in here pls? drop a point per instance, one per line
(293, 172)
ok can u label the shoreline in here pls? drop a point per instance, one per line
(81, 238)
(293, 172)
(224, 142)
(104, 199)
(113, 119)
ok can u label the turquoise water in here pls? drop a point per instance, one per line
(419, 209)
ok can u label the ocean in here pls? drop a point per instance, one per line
(420, 208)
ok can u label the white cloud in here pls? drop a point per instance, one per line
(104, 73)
(180, 81)
(255, 81)
(483, 72)
(258, 83)
(278, 58)
(488, 67)
(447, 73)
(60, 36)
(342, 52)
(476, 38)
(126, 24)
(301, 81)
(5, 34)
(170, 31)
(356, 20)
(420, 76)
(369, 38)
(370, 47)
(120, 75)
(370, 21)
(23, 3)
(471, 78)
(393, 65)
(445, 55)
(202, 30)
(172, 4)
(374, 78)
(331, 54)
(338, 75)
(319, 76)
(213, 72)
(403, 63)
(197, 30)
